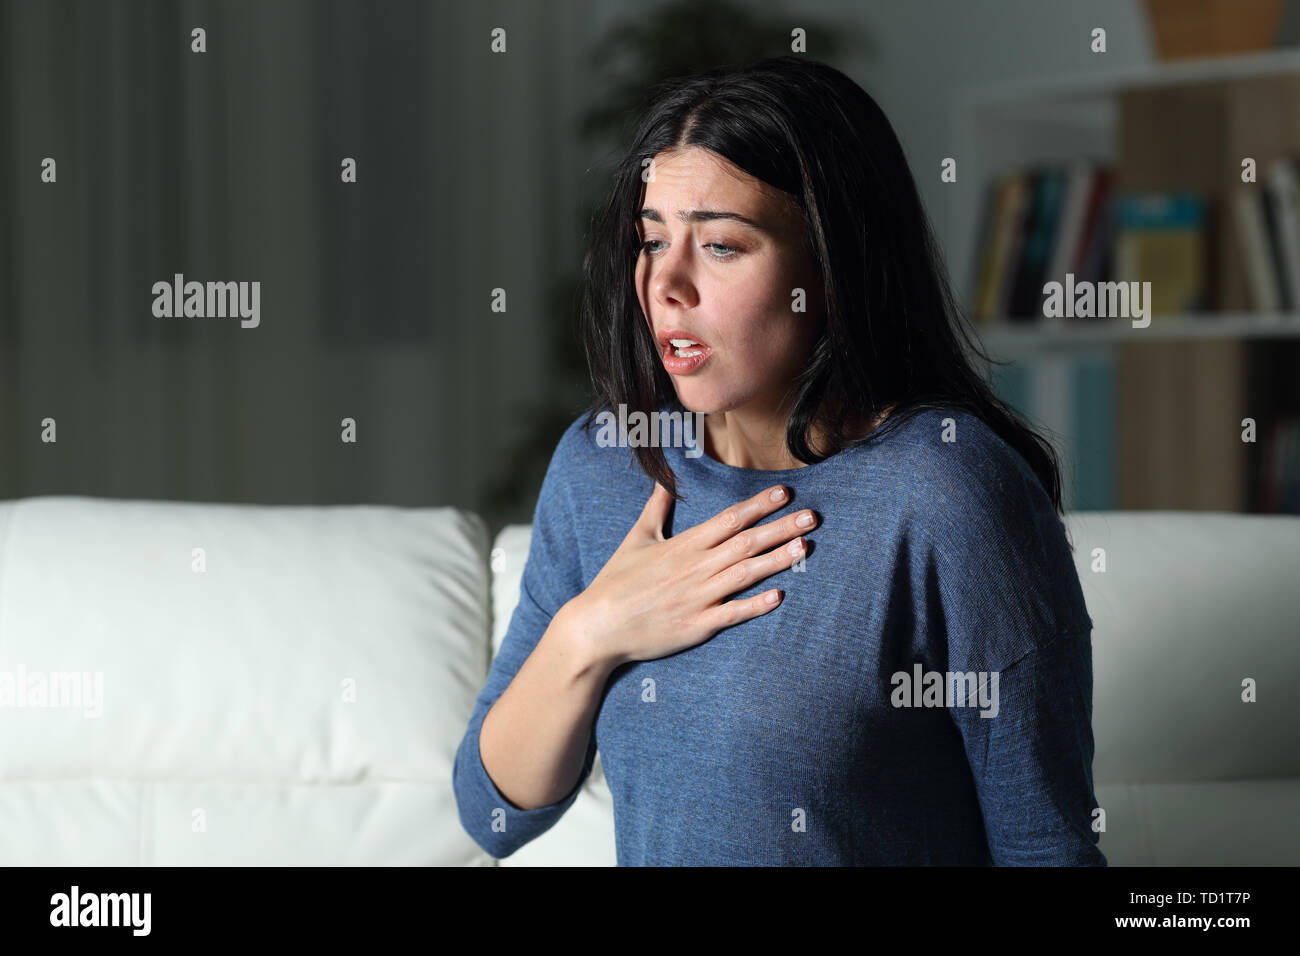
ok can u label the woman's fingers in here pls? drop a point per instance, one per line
(741, 515)
(656, 596)
(754, 541)
(736, 612)
(744, 573)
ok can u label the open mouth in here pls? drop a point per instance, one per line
(682, 355)
(686, 348)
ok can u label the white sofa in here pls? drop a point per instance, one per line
(288, 685)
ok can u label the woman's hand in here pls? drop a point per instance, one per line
(657, 596)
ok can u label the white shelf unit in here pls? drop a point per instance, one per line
(1006, 127)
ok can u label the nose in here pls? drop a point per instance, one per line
(670, 279)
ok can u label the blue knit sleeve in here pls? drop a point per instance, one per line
(1030, 754)
(551, 577)
(1006, 609)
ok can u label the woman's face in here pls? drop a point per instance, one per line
(724, 283)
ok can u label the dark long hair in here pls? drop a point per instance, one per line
(894, 332)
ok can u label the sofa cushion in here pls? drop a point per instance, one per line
(280, 684)
(1189, 605)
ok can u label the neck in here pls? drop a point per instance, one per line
(746, 438)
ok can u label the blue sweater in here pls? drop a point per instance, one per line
(837, 729)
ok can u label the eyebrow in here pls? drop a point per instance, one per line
(702, 215)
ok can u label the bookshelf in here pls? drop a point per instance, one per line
(1148, 417)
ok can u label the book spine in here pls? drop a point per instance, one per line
(1276, 253)
(1249, 215)
(1282, 178)
(1015, 251)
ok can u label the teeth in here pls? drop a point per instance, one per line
(682, 353)
(682, 343)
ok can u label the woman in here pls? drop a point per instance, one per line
(913, 688)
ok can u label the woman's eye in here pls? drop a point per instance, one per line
(726, 252)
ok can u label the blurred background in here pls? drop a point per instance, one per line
(1112, 156)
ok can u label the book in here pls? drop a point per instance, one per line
(1080, 180)
(987, 230)
(1272, 473)
(1160, 238)
(1281, 189)
(1011, 199)
(1281, 474)
(1291, 468)
(1094, 260)
(1040, 229)
(1035, 226)
(1009, 267)
(1248, 214)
